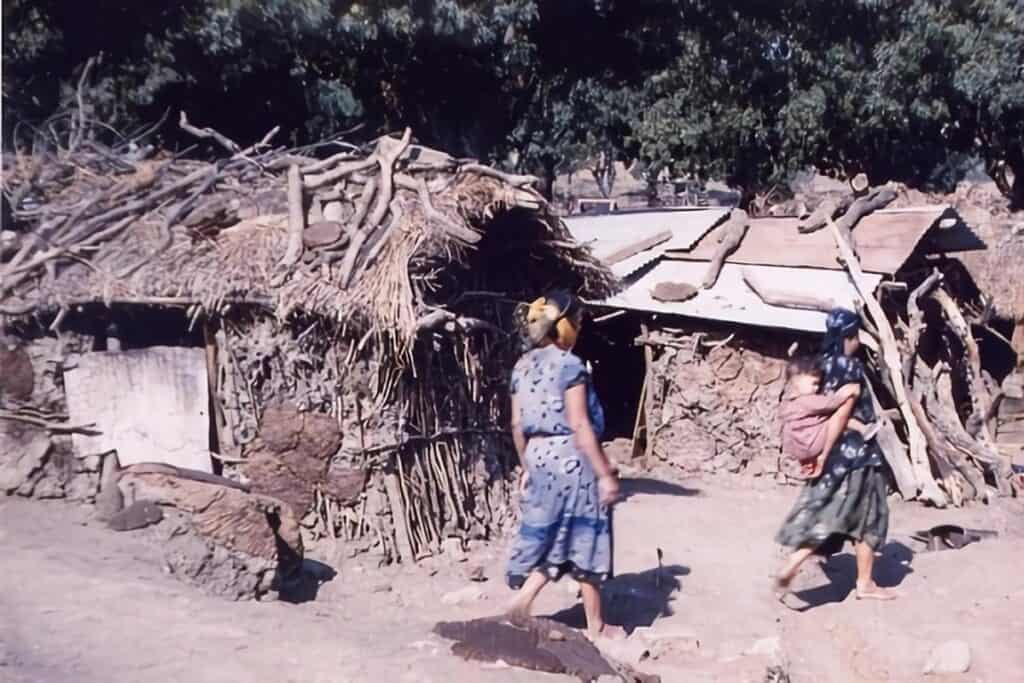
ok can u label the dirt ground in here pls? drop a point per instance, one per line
(82, 603)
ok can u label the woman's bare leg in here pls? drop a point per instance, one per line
(790, 568)
(866, 586)
(595, 620)
(523, 602)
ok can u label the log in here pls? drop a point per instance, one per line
(733, 231)
(877, 199)
(919, 482)
(947, 457)
(778, 297)
(944, 414)
(388, 151)
(860, 184)
(296, 218)
(636, 247)
(829, 208)
(981, 401)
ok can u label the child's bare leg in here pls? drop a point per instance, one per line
(523, 601)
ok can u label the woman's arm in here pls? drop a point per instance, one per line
(519, 439)
(586, 441)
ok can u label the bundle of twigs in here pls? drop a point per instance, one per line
(85, 196)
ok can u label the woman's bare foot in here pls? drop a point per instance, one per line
(781, 585)
(875, 592)
(607, 632)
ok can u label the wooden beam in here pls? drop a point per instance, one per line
(919, 483)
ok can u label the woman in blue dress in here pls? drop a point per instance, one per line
(567, 482)
(847, 502)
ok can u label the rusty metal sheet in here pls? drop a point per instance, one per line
(731, 300)
(149, 405)
(885, 240)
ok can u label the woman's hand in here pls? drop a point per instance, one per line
(608, 489)
(524, 481)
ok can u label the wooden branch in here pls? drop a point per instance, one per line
(376, 242)
(49, 425)
(296, 218)
(440, 317)
(431, 212)
(315, 182)
(513, 180)
(981, 402)
(388, 152)
(733, 231)
(877, 199)
(916, 320)
(636, 247)
(947, 457)
(829, 208)
(943, 412)
(924, 484)
(207, 133)
(778, 297)
(400, 521)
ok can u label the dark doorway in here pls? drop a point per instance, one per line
(608, 344)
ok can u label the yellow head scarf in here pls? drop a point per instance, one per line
(548, 319)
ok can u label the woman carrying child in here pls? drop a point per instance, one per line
(846, 498)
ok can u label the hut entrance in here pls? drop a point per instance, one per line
(607, 343)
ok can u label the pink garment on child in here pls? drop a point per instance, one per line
(804, 423)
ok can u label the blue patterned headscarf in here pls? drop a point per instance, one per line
(840, 324)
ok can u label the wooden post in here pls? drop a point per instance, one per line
(394, 496)
(648, 398)
(924, 485)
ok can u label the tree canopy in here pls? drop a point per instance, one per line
(748, 92)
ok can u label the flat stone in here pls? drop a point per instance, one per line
(951, 657)
(322, 233)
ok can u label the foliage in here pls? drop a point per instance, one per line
(748, 92)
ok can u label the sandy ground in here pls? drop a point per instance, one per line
(82, 603)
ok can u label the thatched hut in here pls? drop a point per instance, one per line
(374, 287)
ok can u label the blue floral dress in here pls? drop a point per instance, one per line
(848, 501)
(564, 528)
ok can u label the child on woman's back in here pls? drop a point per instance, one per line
(813, 422)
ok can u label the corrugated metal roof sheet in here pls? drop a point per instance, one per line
(884, 240)
(609, 232)
(731, 300)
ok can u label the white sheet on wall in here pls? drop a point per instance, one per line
(149, 405)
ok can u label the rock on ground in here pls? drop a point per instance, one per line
(952, 657)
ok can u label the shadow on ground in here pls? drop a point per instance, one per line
(305, 584)
(891, 567)
(632, 600)
(631, 486)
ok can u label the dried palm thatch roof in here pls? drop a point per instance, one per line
(375, 238)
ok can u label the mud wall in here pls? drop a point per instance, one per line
(714, 398)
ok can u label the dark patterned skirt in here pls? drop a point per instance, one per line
(842, 504)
